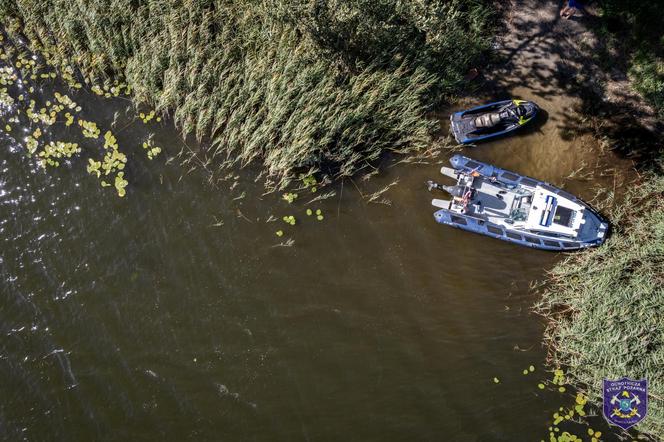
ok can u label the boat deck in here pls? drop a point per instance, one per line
(494, 202)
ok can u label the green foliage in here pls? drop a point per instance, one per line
(25, 73)
(297, 83)
(289, 219)
(605, 306)
(289, 197)
(647, 74)
(637, 26)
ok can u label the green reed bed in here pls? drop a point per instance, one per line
(296, 84)
(606, 307)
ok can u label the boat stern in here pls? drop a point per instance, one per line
(458, 126)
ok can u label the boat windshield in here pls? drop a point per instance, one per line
(521, 207)
(564, 216)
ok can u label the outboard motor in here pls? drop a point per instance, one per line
(431, 185)
(456, 191)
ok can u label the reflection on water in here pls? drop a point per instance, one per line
(172, 313)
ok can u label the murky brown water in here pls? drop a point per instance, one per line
(139, 318)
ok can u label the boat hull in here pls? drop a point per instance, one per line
(470, 224)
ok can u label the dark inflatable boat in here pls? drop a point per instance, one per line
(491, 120)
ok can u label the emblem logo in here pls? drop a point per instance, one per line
(625, 401)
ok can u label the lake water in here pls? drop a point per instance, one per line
(174, 314)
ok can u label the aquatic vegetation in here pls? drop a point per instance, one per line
(558, 377)
(7, 76)
(604, 306)
(93, 167)
(43, 116)
(90, 129)
(309, 181)
(152, 151)
(319, 215)
(113, 159)
(269, 81)
(279, 233)
(120, 184)
(65, 101)
(289, 219)
(109, 140)
(581, 402)
(289, 197)
(27, 72)
(114, 90)
(97, 90)
(31, 144)
(55, 150)
(566, 415)
(6, 100)
(67, 73)
(147, 117)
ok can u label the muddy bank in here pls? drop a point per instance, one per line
(563, 64)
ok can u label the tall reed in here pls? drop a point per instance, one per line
(605, 307)
(294, 83)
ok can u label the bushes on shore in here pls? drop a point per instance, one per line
(294, 83)
(637, 28)
(605, 306)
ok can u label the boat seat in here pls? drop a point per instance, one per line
(487, 120)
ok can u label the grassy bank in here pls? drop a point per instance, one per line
(636, 29)
(296, 84)
(605, 307)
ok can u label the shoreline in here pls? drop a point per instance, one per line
(562, 55)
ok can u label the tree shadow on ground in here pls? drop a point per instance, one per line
(555, 57)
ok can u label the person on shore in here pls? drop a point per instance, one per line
(570, 9)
